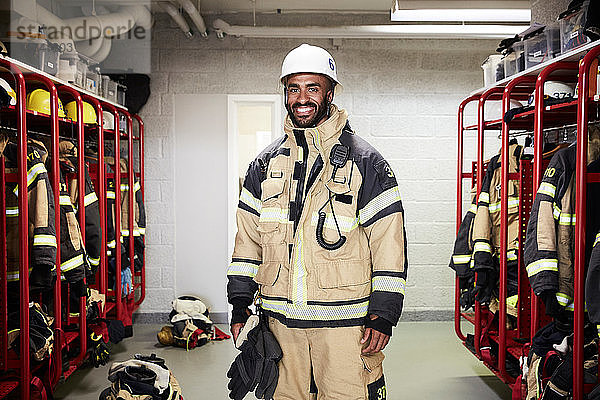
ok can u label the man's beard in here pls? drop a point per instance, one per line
(321, 111)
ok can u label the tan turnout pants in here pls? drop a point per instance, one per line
(333, 355)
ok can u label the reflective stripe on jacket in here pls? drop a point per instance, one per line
(486, 224)
(93, 230)
(301, 283)
(549, 246)
(40, 198)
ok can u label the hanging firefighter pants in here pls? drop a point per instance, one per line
(334, 356)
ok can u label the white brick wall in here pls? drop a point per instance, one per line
(402, 96)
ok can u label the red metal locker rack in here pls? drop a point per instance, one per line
(142, 273)
(529, 178)
(24, 76)
(23, 368)
(582, 178)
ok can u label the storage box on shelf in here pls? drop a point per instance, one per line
(514, 59)
(493, 69)
(109, 89)
(543, 46)
(121, 93)
(92, 80)
(37, 52)
(571, 28)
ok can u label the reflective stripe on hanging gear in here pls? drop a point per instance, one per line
(37, 390)
(484, 341)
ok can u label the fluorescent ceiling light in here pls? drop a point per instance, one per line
(462, 15)
(373, 31)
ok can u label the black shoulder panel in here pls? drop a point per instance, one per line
(376, 172)
(257, 170)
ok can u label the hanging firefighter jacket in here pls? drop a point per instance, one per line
(42, 236)
(139, 220)
(294, 205)
(477, 244)
(549, 245)
(93, 231)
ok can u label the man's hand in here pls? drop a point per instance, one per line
(378, 340)
(236, 329)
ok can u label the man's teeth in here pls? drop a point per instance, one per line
(304, 109)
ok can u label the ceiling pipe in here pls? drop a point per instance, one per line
(195, 16)
(178, 18)
(92, 33)
(372, 31)
(103, 51)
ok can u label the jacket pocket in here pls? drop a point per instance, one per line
(340, 185)
(272, 188)
(341, 274)
(74, 232)
(268, 273)
(372, 361)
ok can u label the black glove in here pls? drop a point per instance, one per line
(466, 285)
(99, 351)
(78, 289)
(246, 369)
(553, 307)
(42, 278)
(271, 352)
(93, 311)
(483, 287)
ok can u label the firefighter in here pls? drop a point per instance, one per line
(321, 238)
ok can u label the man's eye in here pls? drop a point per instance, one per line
(313, 90)
(293, 90)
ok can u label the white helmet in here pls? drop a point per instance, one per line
(310, 59)
(493, 109)
(10, 91)
(108, 120)
(555, 90)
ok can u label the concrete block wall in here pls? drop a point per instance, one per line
(402, 96)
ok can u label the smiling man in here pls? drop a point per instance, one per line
(321, 238)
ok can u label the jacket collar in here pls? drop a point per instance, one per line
(323, 135)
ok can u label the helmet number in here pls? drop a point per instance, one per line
(331, 64)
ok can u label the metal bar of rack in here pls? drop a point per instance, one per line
(24, 365)
(510, 88)
(142, 188)
(81, 201)
(54, 133)
(580, 222)
(101, 192)
(460, 175)
(491, 93)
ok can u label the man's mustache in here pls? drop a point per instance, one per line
(309, 104)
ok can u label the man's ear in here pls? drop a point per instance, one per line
(330, 95)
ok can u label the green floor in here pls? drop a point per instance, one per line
(424, 361)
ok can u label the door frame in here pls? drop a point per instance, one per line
(233, 101)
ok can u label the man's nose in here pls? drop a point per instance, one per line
(303, 96)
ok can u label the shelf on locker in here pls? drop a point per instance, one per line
(109, 306)
(72, 368)
(7, 387)
(469, 317)
(70, 337)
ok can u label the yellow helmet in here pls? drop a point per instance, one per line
(39, 100)
(9, 90)
(89, 114)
